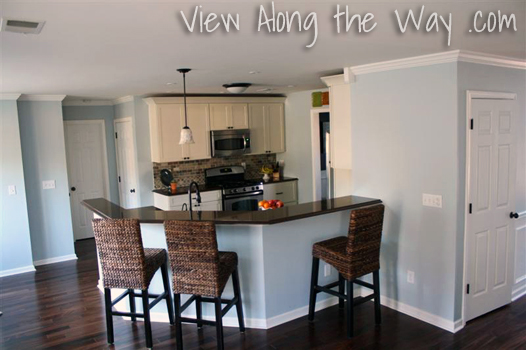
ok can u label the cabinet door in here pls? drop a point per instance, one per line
(257, 122)
(239, 116)
(210, 206)
(219, 116)
(198, 122)
(285, 191)
(276, 128)
(170, 122)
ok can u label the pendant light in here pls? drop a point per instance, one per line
(186, 133)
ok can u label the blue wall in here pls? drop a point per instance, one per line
(15, 242)
(402, 147)
(105, 113)
(44, 158)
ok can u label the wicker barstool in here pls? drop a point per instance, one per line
(202, 271)
(127, 265)
(353, 256)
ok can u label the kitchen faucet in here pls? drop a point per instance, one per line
(198, 194)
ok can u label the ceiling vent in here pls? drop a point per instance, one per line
(21, 26)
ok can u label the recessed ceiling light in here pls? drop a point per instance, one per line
(171, 83)
(254, 72)
(291, 86)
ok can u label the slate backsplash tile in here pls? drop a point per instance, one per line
(188, 171)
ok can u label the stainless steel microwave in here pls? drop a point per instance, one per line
(226, 143)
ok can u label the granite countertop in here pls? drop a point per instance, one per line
(109, 210)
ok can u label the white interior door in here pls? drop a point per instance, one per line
(126, 165)
(87, 170)
(491, 195)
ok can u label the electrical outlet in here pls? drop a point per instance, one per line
(48, 184)
(432, 200)
(11, 190)
(327, 270)
(410, 276)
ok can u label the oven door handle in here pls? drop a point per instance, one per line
(253, 194)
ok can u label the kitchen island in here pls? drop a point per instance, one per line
(274, 249)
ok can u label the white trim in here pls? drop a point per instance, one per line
(123, 99)
(85, 103)
(154, 101)
(315, 150)
(6, 97)
(522, 214)
(55, 260)
(439, 58)
(422, 315)
(471, 95)
(338, 79)
(42, 98)
(255, 323)
(518, 293)
(18, 270)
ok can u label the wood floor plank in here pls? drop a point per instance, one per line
(59, 306)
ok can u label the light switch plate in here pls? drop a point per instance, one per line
(327, 270)
(48, 184)
(11, 190)
(410, 276)
(432, 200)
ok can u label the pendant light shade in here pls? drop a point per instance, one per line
(186, 132)
(186, 136)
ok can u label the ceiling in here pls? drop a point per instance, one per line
(104, 50)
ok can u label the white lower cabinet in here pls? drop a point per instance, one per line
(210, 200)
(287, 192)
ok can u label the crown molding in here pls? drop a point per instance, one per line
(439, 58)
(333, 80)
(5, 97)
(123, 99)
(42, 98)
(86, 103)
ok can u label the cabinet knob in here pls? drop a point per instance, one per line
(73, 189)
(514, 215)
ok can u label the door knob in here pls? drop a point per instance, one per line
(73, 189)
(514, 215)
(132, 190)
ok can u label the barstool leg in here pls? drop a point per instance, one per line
(199, 311)
(133, 309)
(350, 309)
(239, 304)
(178, 324)
(377, 311)
(168, 297)
(341, 290)
(109, 316)
(313, 283)
(219, 324)
(147, 323)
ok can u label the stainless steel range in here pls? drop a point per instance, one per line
(238, 194)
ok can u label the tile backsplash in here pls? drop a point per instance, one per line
(188, 171)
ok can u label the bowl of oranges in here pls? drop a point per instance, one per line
(271, 204)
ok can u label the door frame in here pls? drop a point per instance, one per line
(315, 147)
(102, 124)
(470, 96)
(137, 184)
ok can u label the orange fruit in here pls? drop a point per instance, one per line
(262, 203)
(266, 205)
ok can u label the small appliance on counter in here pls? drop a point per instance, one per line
(167, 179)
(238, 194)
(227, 143)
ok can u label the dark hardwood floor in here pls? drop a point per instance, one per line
(60, 307)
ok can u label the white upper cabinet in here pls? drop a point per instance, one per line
(224, 116)
(267, 128)
(198, 121)
(166, 122)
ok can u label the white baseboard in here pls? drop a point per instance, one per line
(518, 293)
(55, 260)
(257, 323)
(18, 270)
(412, 311)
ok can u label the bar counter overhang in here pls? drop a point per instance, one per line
(274, 249)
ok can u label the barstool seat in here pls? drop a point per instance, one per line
(125, 264)
(353, 256)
